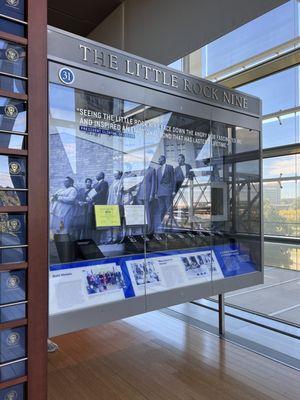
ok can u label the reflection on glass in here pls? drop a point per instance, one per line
(14, 28)
(280, 214)
(157, 199)
(13, 172)
(281, 130)
(261, 34)
(12, 84)
(279, 167)
(13, 288)
(13, 59)
(277, 91)
(13, 255)
(13, 8)
(282, 255)
(13, 115)
(8, 141)
(12, 229)
(13, 345)
(12, 198)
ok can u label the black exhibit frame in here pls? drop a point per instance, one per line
(155, 186)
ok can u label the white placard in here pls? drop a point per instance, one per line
(75, 288)
(135, 215)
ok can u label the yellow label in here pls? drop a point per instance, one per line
(107, 216)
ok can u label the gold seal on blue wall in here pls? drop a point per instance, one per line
(12, 54)
(13, 339)
(11, 111)
(14, 168)
(13, 282)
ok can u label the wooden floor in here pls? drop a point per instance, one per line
(157, 357)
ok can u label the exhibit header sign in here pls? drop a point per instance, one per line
(90, 55)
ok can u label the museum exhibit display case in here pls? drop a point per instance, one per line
(154, 186)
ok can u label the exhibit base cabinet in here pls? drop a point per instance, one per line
(155, 186)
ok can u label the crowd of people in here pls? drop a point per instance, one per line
(72, 208)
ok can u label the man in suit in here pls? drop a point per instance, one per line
(164, 186)
(101, 188)
(146, 193)
(182, 171)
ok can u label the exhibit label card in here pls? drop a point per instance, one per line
(135, 214)
(107, 216)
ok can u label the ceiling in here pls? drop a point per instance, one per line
(79, 16)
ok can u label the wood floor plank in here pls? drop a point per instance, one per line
(157, 357)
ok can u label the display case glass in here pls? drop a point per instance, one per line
(146, 200)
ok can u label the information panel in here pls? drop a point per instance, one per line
(165, 194)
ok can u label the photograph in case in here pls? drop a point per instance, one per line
(103, 278)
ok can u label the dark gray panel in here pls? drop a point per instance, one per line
(74, 50)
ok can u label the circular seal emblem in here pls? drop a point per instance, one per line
(66, 76)
(13, 339)
(14, 225)
(13, 282)
(11, 111)
(14, 168)
(12, 3)
(12, 54)
(12, 395)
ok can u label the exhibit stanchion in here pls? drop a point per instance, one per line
(221, 314)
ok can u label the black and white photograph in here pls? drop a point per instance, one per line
(144, 272)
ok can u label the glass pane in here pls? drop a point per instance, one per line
(279, 167)
(13, 344)
(12, 313)
(12, 85)
(13, 173)
(14, 28)
(280, 214)
(278, 91)
(282, 255)
(12, 371)
(281, 131)
(8, 141)
(96, 219)
(12, 58)
(12, 198)
(13, 8)
(13, 115)
(13, 229)
(270, 30)
(13, 286)
(13, 255)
